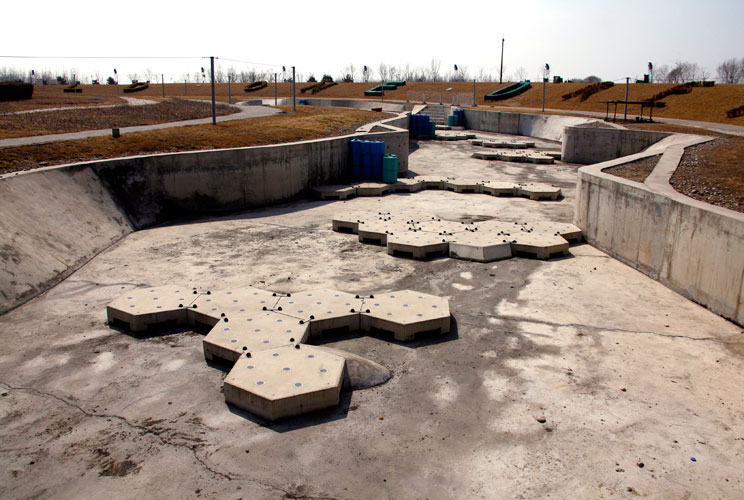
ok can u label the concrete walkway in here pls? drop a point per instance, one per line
(722, 128)
(246, 112)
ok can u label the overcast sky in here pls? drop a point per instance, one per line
(609, 38)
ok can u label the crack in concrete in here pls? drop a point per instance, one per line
(288, 494)
(595, 329)
(141, 428)
(96, 283)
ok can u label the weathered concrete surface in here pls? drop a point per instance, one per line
(596, 145)
(101, 413)
(694, 248)
(53, 221)
(541, 126)
(157, 188)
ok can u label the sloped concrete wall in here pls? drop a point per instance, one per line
(692, 247)
(595, 145)
(53, 221)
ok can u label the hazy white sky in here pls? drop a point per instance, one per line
(609, 38)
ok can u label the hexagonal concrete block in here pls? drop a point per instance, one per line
(378, 231)
(139, 309)
(418, 244)
(479, 246)
(323, 309)
(542, 245)
(251, 333)
(371, 189)
(535, 191)
(406, 313)
(463, 186)
(407, 185)
(335, 192)
(284, 382)
(568, 231)
(443, 227)
(500, 188)
(208, 308)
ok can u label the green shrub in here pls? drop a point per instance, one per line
(733, 113)
(136, 87)
(256, 86)
(588, 91)
(16, 91)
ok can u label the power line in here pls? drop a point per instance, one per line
(249, 62)
(104, 57)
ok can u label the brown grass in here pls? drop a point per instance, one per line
(75, 119)
(713, 172)
(705, 104)
(306, 123)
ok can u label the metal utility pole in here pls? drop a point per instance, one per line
(275, 90)
(162, 82)
(294, 103)
(214, 110)
(501, 70)
(229, 90)
(627, 84)
(474, 103)
(117, 81)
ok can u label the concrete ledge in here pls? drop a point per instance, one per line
(594, 145)
(694, 248)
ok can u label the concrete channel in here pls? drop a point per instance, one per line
(576, 376)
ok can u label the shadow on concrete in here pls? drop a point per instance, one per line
(301, 421)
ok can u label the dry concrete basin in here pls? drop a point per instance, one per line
(572, 377)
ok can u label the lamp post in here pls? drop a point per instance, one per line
(117, 81)
(545, 79)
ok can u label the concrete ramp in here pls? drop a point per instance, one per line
(52, 222)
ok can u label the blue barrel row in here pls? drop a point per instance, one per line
(457, 117)
(420, 125)
(366, 159)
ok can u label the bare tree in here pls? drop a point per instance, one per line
(659, 73)
(684, 71)
(383, 70)
(520, 74)
(434, 66)
(149, 75)
(133, 76)
(731, 71)
(349, 73)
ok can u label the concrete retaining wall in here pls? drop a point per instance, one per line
(692, 247)
(542, 126)
(53, 221)
(153, 189)
(594, 145)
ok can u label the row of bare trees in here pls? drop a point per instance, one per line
(729, 71)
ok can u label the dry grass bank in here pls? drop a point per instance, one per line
(306, 123)
(703, 103)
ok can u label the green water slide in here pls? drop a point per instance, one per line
(378, 90)
(509, 91)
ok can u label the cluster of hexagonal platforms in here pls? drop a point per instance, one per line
(483, 241)
(263, 333)
(531, 190)
(518, 155)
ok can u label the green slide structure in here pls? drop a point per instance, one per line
(509, 91)
(378, 90)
